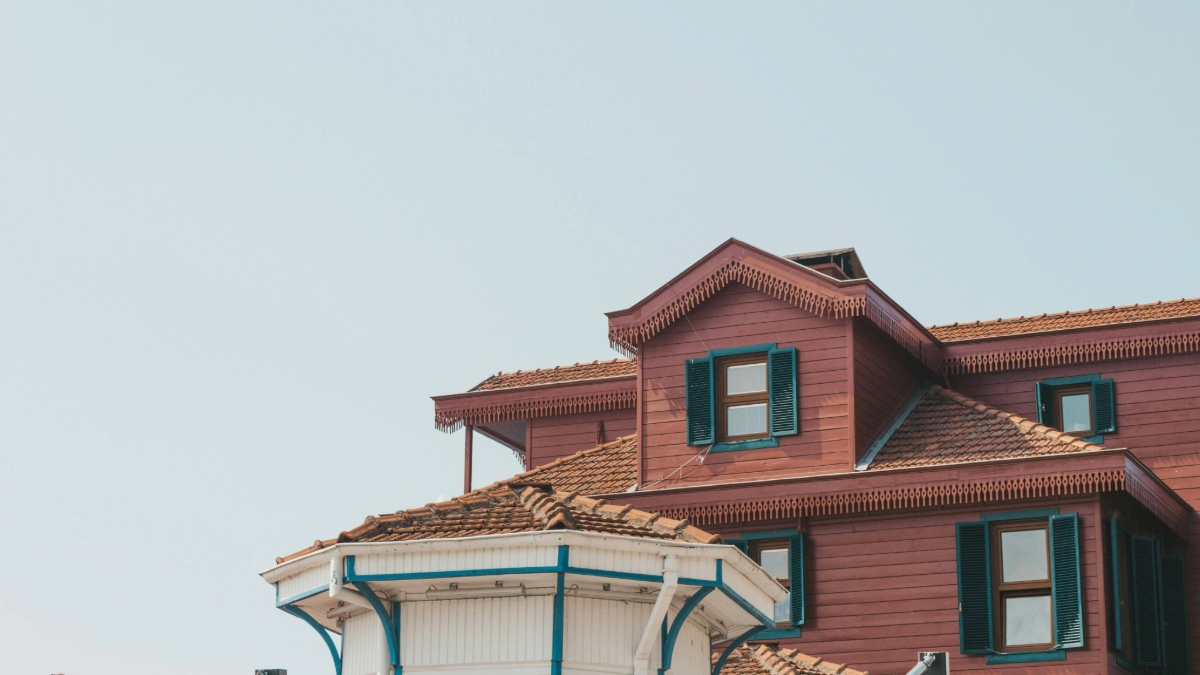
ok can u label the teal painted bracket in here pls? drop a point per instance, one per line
(307, 618)
(389, 624)
(1026, 657)
(672, 635)
(1019, 515)
(737, 642)
(560, 595)
(772, 442)
(778, 634)
(734, 351)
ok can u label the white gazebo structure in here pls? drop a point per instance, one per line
(528, 582)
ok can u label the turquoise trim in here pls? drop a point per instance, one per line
(458, 573)
(720, 572)
(307, 618)
(770, 442)
(1019, 515)
(556, 652)
(298, 598)
(1077, 379)
(763, 619)
(399, 669)
(887, 434)
(1115, 531)
(737, 642)
(1125, 664)
(1027, 657)
(734, 351)
(766, 534)
(662, 645)
(778, 634)
(677, 625)
(384, 618)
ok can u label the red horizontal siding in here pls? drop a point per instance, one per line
(738, 316)
(1158, 418)
(562, 435)
(881, 589)
(884, 377)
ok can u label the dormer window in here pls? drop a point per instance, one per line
(1073, 405)
(742, 397)
(1083, 406)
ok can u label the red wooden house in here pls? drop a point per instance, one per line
(1019, 493)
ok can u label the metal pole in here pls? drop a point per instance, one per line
(467, 477)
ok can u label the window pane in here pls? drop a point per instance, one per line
(775, 562)
(1023, 555)
(1027, 620)
(1077, 412)
(783, 609)
(746, 379)
(746, 419)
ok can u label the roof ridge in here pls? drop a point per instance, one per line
(1069, 312)
(1021, 422)
(554, 514)
(595, 362)
(784, 661)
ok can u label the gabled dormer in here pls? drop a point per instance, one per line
(752, 365)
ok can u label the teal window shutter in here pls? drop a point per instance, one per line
(1104, 407)
(781, 364)
(1066, 582)
(796, 576)
(743, 546)
(1045, 404)
(974, 588)
(1117, 570)
(1174, 611)
(699, 391)
(1146, 613)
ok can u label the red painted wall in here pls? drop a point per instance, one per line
(882, 588)
(885, 376)
(562, 435)
(1158, 418)
(737, 316)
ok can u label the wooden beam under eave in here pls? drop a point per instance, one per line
(467, 460)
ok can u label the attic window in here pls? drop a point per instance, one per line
(742, 397)
(1083, 406)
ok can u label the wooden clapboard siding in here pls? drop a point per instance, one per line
(738, 316)
(561, 435)
(882, 588)
(884, 378)
(1158, 419)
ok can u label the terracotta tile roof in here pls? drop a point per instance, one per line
(1171, 309)
(608, 468)
(580, 371)
(946, 427)
(763, 660)
(510, 508)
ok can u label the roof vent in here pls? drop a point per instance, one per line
(841, 263)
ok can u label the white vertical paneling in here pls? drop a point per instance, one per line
(698, 568)
(303, 581)
(612, 561)
(602, 632)
(362, 641)
(739, 584)
(484, 630)
(691, 651)
(454, 561)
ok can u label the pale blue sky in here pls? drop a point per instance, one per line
(241, 244)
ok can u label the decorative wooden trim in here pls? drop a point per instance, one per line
(1125, 348)
(453, 420)
(925, 496)
(626, 338)
(747, 271)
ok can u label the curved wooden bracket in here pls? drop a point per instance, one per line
(390, 624)
(716, 669)
(677, 625)
(301, 614)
